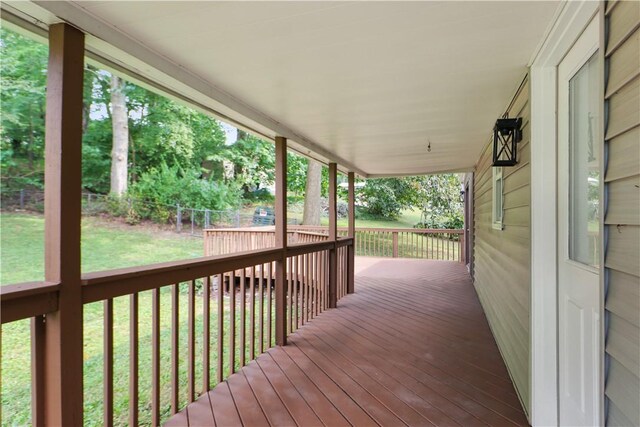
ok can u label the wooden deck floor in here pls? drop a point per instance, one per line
(410, 347)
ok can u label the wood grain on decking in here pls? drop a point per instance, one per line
(411, 347)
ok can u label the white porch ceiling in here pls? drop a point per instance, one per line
(366, 84)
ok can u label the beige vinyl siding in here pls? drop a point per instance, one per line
(502, 270)
(622, 219)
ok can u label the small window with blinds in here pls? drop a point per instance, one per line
(497, 198)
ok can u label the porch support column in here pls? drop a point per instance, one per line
(352, 234)
(333, 235)
(63, 177)
(281, 239)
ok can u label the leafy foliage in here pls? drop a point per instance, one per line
(24, 71)
(437, 195)
(155, 195)
(441, 207)
(176, 154)
(387, 197)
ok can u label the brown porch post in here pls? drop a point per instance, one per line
(333, 234)
(63, 177)
(281, 239)
(352, 234)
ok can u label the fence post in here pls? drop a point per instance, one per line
(178, 218)
(395, 244)
(193, 218)
(207, 218)
(22, 198)
(237, 218)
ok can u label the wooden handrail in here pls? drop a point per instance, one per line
(300, 228)
(308, 228)
(114, 283)
(29, 299)
(305, 248)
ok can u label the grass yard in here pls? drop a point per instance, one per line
(407, 219)
(104, 245)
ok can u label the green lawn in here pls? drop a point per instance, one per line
(407, 219)
(107, 245)
(104, 246)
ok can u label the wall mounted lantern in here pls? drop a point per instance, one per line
(506, 135)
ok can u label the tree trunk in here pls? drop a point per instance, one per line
(120, 124)
(311, 214)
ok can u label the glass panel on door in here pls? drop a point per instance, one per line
(584, 169)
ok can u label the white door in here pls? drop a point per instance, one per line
(578, 232)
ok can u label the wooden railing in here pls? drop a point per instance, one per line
(379, 242)
(229, 318)
(223, 241)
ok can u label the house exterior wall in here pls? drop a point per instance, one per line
(622, 217)
(502, 266)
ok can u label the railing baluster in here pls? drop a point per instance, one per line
(232, 323)
(175, 357)
(191, 346)
(314, 283)
(325, 285)
(133, 360)
(155, 357)
(252, 314)
(299, 291)
(206, 334)
(289, 300)
(37, 370)
(261, 310)
(309, 288)
(269, 305)
(296, 302)
(243, 317)
(220, 336)
(108, 363)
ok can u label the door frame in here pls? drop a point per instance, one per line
(570, 21)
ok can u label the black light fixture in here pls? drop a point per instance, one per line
(506, 135)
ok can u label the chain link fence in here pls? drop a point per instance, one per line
(182, 219)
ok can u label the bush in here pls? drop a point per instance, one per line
(385, 198)
(155, 195)
(259, 195)
(450, 221)
(342, 207)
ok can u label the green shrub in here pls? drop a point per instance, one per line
(155, 195)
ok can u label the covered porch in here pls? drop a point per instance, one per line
(411, 346)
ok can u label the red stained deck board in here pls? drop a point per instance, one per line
(410, 347)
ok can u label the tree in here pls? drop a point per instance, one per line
(441, 204)
(120, 124)
(438, 196)
(312, 208)
(296, 173)
(24, 71)
(253, 160)
(387, 197)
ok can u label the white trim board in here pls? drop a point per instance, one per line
(544, 348)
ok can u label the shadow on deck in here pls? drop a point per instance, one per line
(412, 346)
